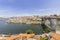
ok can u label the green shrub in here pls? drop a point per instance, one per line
(47, 30)
(29, 31)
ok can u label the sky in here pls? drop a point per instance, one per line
(9, 8)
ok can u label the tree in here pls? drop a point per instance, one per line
(29, 31)
(55, 15)
(47, 30)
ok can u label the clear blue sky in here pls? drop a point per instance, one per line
(29, 7)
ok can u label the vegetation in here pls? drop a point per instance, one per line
(55, 15)
(29, 31)
(43, 38)
(45, 28)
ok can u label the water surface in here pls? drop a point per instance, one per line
(19, 28)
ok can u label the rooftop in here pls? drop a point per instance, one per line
(55, 36)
